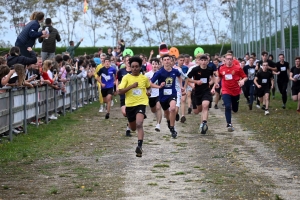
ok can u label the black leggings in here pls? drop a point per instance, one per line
(282, 86)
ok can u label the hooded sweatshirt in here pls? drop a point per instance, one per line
(11, 60)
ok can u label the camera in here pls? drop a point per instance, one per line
(54, 72)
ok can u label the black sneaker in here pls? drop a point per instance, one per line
(250, 106)
(145, 116)
(177, 117)
(263, 107)
(204, 128)
(183, 119)
(283, 106)
(173, 133)
(138, 151)
(128, 133)
(107, 116)
(216, 106)
(189, 111)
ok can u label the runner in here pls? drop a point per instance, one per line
(203, 94)
(154, 98)
(249, 87)
(184, 69)
(167, 92)
(102, 57)
(136, 88)
(295, 77)
(121, 73)
(283, 71)
(107, 74)
(264, 81)
(233, 78)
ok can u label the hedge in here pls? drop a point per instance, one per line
(211, 49)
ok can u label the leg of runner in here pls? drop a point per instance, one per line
(282, 86)
(182, 108)
(158, 114)
(189, 101)
(251, 93)
(100, 97)
(228, 102)
(108, 103)
(266, 97)
(204, 116)
(172, 116)
(140, 133)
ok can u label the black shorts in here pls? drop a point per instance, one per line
(205, 96)
(107, 91)
(132, 111)
(122, 102)
(153, 101)
(262, 91)
(218, 90)
(295, 90)
(166, 104)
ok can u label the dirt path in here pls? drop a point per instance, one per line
(219, 165)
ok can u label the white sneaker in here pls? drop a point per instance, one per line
(230, 128)
(85, 103)
(79, 105)
(157, 128)
(101, 108)
(257, 106)
(112, 103)
(73, 108)
(52, 117)
(267, 112)
(16, 131)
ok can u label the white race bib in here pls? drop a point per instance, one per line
(136, 92)
(203, 80)
(228, 76)
(282, 69)
(167, 91)
(264, 80)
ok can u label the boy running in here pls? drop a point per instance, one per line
(136, 88)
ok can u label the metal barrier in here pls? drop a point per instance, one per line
(18, 106)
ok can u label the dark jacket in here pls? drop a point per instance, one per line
(11, 60)
(49, 45)
(29, 34)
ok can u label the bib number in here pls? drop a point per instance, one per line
(203, 80)
(136, 92)
(264, 80)
(228, 76)
(167, 91)
(282, 69)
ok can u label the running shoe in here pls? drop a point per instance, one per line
(216, 106)
(203, 128)
(283, 106)
(189, 111)
(257, 106)
(230, 128)
(128, 133)
(138, 151)
(267, 112)
(250, 106)
(107, 116)
(263, 107)
(183, 119)
(157, 128)
(173, 133)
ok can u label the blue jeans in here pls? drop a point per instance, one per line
(231, 103)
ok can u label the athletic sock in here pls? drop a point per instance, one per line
(204, 121)
(140, 143)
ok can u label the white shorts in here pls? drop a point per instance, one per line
(178, 101)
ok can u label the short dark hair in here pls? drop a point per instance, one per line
(180, 56)
(48, 21)
(253, 54)
(136, 59)
(14, 51)
(71, 42)
(107, 58)
(167, 55)
(39, 16)
(66, 57)
(297, 58)
(154, 60)
(264, 53)
(281, 54)
(58, 58)
(230, 51)
(80, 62)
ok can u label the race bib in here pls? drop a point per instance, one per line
(264, 80)
(136, 92)
(203, 80)
(167, 91)
(228, 76)
(282, 69)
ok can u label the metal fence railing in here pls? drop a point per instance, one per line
(266, 25)
(19, 106)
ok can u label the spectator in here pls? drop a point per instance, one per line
(32, 17)
(18, 77)
(109, 52)
(49, 44)
(122, 46)
(15, 57)
(4, 70)
(29, 34)
(97, 59)
(114, 52)
(71, 48)
(3, 60)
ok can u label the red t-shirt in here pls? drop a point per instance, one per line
(46, 77)
(230, 77)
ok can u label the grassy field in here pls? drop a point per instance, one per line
(280, 129)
